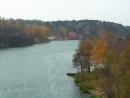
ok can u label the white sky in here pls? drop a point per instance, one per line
(48, 10)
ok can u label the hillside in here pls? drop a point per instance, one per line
(14, 33)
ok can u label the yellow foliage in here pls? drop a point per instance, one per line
(99, 50)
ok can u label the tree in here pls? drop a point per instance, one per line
(99, 51)
(82, 56)
(39, 32)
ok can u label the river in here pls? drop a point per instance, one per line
(38, 71)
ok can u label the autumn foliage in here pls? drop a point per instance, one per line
(109, 59)
(99, 51)
(40, 32)
(14, 33)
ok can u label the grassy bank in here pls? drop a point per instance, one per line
(84, 81)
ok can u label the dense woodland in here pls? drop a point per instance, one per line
(14, 33)
(104, 63)
(82, 27)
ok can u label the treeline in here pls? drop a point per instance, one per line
(86, 27)
(19, 32)
(105, 65)
(82, 27)
(15, 33)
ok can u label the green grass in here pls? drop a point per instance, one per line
(84, 84)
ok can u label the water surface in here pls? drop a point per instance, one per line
(38, 71)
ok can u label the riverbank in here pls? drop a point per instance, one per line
(25, 44)
(84, 81)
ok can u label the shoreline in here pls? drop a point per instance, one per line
(30, 44)
(23, 45)
(83, 85)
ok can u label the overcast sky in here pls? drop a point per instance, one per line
(49, 10)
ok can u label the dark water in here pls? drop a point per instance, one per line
(38, 71)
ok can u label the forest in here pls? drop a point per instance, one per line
(15, 33)
(19, 32)
(104, 65)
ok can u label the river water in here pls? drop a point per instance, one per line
(38, 71)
